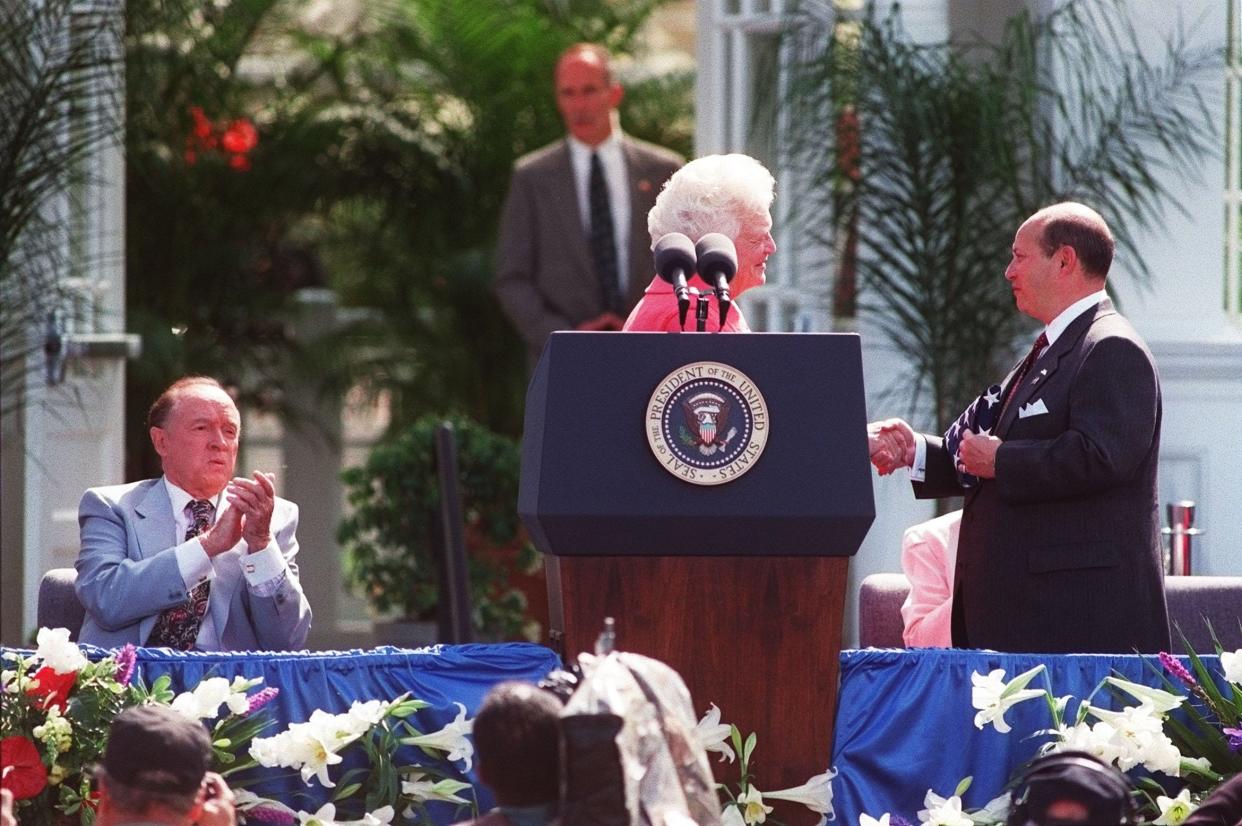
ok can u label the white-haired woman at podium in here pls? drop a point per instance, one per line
(727, 194)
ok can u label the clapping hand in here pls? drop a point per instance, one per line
(254, 499)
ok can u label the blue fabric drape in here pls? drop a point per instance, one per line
(905, 723)
(333, 680)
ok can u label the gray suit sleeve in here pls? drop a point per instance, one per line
(116, 590)
(517, 266)
(282, 619)
(1113, 410)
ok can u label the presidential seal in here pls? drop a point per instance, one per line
(707, 423)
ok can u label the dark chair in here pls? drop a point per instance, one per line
(1193, 602)
(879, 610)
(58, 602)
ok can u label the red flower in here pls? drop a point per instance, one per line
(202, 126)
(240, 137)
(53, 688)
(239, 162)
(23, 772)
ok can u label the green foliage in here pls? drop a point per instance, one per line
(383, 151)
(392, 532)
(959, 145)
(59, 71)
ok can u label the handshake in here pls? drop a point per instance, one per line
(890, 443)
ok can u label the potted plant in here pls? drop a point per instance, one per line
(392, 533)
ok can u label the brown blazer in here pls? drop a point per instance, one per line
(1061, 552)
(544, 276)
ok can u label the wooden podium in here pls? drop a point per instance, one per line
(739, 586)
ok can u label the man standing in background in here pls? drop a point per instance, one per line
(573, 252)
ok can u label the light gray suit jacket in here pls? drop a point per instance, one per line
(128, 574)
(544, 278)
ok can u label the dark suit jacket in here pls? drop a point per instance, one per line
(1061, 552)
(127, 574)
(544, 276)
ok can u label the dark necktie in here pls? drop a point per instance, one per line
(177, 627)
(603, 243)
(1023, 369)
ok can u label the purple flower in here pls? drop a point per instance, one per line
(126, 659)
(261, 698)
(898, 820)
(267, 814)
(1235, 738)
(1178, 670)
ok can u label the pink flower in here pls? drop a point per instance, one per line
(126, 659)
(262, 698)
(267, 814)
(1178, 670)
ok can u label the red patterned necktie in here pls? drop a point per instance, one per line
(1023, 369)
(177, 627)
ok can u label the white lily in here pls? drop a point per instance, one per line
(1173, 810)
(451, 739)
(994, 811)
(942, 811)
(326, 816)
(752, 806)
(713, 735)
(1138, 735)
(731, 816)
(421, 788)
(1162, 702)
(992, 696)
(1231, 665)
(815, 794)
(865, 819)
(57, 652)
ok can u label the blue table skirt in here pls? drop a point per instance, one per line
(905, 723)
(332, 680)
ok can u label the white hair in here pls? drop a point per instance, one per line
(715, 193)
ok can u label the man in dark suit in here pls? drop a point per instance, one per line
(1059, 549)
(197, 559)
(573, 251)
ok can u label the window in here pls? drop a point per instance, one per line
(1233, 162)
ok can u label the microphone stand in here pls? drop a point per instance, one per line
(701, 310)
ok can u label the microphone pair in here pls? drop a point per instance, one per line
(714, 258)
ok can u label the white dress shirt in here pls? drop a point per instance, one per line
(264, 570)
(613, 161)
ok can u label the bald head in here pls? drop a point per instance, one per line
(1081, 228)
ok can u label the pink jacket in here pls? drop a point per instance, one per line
(928, 554)
(657, 311)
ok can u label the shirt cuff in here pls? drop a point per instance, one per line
(264, 570)
(918, 471)
(194, 564)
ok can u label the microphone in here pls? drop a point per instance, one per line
(717, 261)
(674, 260)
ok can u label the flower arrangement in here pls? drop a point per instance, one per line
(58, 707)
(234, 140)
(1187, 735)
(744, 803)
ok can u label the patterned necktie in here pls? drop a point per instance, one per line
(603, 243)
(177, 627)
